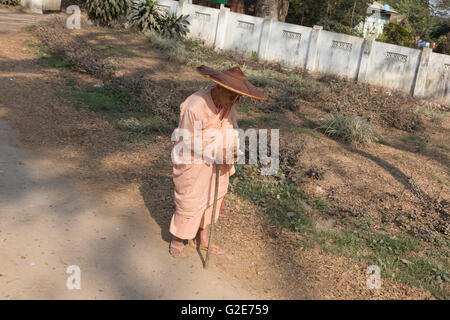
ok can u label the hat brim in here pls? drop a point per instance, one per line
(242, 87)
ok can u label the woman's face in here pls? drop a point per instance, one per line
(226, 97)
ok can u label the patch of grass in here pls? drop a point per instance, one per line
(139, 139)
(282, 202)
(396, 256)
(143, 127)
(100, 99)
(173, 49)
(442, 146)
(119, 51)
(39, 49)
(30, 28)
(350, 129)
(57, 61)
(440, 180)
(384, 142)
(308, 131)
(310, 124)
(434, 115)
(320, 204)
(417, 142)
(246, 123)
(245, 108)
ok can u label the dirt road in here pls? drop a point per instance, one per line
(47, 223)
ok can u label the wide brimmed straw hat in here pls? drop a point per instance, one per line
(232, 79)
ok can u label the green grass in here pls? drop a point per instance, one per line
(275, 198)
(58, 62)
(244, 108)
(397, 257)
(285, 204)
(39, 49)
(119, 51)
(419, 144)
(440, 180)
(308, 131)
(246, 123)
(100, 99)
(442, 146)
(143, 126)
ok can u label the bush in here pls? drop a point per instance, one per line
(172, 48)
(443, 44)
(106, 12)
(353, 130)
(145, 16)
(174, 26)
(398, 33)
(10, 2)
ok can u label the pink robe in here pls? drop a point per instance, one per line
(195, 182)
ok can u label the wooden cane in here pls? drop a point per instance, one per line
(213, 216)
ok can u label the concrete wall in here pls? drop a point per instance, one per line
(168, 5)
(203, 22)
(437, 83)
(287, 44)
(38, 6)
(338, 54)
(243, 33)
(393, 66)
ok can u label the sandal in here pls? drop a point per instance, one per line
(213, 250)
(177, 251)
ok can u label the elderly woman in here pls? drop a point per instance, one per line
(211, 111)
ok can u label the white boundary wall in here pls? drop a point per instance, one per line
(419, 72)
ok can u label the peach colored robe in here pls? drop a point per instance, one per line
(194, 183)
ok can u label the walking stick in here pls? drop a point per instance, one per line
(213, 217)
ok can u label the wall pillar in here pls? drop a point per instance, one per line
(264, 38)
(221, 30)
(180, 8)
(312, 48)
(365, 56)
(421, 76)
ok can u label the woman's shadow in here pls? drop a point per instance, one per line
(157, 192)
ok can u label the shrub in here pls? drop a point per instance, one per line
(353, 130)
(106, 12)
(398, 33)
(174, 26)
(145, 16)
(443, 44)
(172, 48)
(10, 2)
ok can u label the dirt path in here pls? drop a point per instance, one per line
(49, 221)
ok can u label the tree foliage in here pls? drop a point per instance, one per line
(106, 12)
(333, 15)
(147, 16)
(10, 2)
(399, 33)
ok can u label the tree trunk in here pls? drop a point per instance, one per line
(277, 9)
